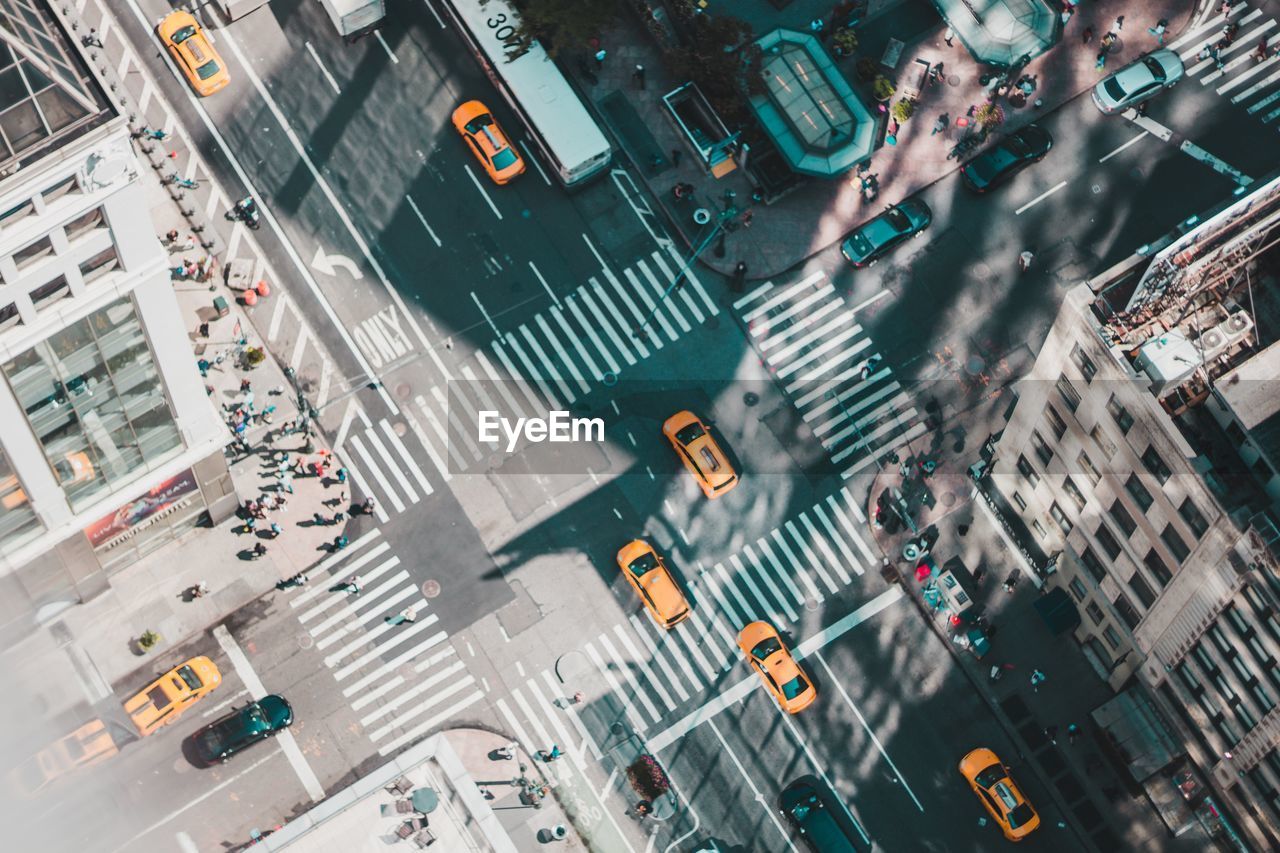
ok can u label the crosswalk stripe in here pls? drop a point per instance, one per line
(767, 609)
(573, 750)
(610, 321)
(572, 713)
(852, 413)
(465, 437)
(872, 428)
(524, 386)
(652, 311)
(530, 746)
(401, 479)
(753, 295)
(624, 331)
(391, 665)
(450, 447)
(638, 658)
(351, 553)
(350, 610)
(816, 540)
(708, 642)
(767, 577)
(783, 319)
(364, 634)
(684, 635)
(853, 390)
(866, 424)
(503, 384)
(629, 673)
(910, 435)
(748, 612)
(1256, 68)
(780, 570)
(636, 313)
(1195, 35)
(862, 520)
(421, 706)
(669, 275)
(659, 289)
(535, 723)
(712, 583)
(841, 546)
(371, 696)
(823, 331)
(730, 638)
(812, 558)
(550, 371)
(821, 389)
(821, 371)
(712, 308)
(430, 723)
(794, 328)
(408, 695)
(353, 568)
(425, 441)
(377, 651)
(781, 297)
(387, 492)
(590, 328)
(676, 682)
(569, 364)
(796, 568)
(356, 623)
(486, 402)
(531, 373)
(575, 340)
(819, 351)
(632, 714)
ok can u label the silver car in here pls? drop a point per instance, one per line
(1139, 80)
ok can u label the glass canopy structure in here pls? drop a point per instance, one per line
(1001, 32)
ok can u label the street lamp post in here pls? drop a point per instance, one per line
(642, 331)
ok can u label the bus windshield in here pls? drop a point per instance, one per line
(561, 127)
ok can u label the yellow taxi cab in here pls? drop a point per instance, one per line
(487, 141)
(700, 453)
(991, 782)
(186, 42)
(86, 746)
(647, 572)
(768, 656)
(166, 698)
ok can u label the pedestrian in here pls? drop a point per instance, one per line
(643, 809)
(190, 244)
(339, 517)
(978, 574)
(637, 76)
(341, 474)
(258, 550)
(91, 40)
(600, 55)
(1073, 731)
(1120, 23)
(171, 235)
(281, 502)
(342, 497)
(676, 154)
(317, 470)
(550, 755)
(276, 530)
(1158, 30)
(1100, 60)
(286, 482)
(340, 542)
(941, 124)
(948, 36)
(1051, 732)
(250, 524)
(318, 519)
(1024, 259)
(747, 217)
(406, 615)
(200, 590)
(245, 385)
(577, 697)
(1037, 678)
(259, 511)
(351, 586)
(816, 26)
(1087, 35)
(367, 506)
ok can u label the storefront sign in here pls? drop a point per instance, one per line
(142, 512)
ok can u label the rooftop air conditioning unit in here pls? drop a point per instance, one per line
(1213, 343)
(1238, 327)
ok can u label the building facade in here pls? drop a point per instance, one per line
(109, 444)
(1138, 458)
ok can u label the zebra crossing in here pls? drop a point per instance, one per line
(1243, 79)
(580, 343)
(810, 340)
(401, 680)
(654, 672)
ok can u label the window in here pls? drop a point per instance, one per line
(1236, 434)
(1086, 367)
(1087, 466)
(84, 223)
(1220, 640)
(1060, 518)
(100, 264)
(33, 252)
(1237, 620)
(1120, 415)
(1072, 491)
(46, 294)
(1106, 445)
(1107, 541)
(1155, 465)
(18, 521)
(1257, 599)
(1112, 638)
(1122, 518)
(1095, 613)
(1193, 517)
(1175, 544)
(17, 213)
(1025, 468)
(1261, 696)
(1039, 529)
(9, 316)
(1156, 566)
(1021, 504)
(1056, 423)
(1090, 561)
(1188, 677)
(1142, 589)
(1138, 492)
(1068, 393)
(1043, 451)
(1128, 613)
(1078, 589)
(64, 187)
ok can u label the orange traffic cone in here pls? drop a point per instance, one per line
(250, 298)
(264, 289)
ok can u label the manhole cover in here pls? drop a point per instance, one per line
(430, 589)
(401, 428)
(948, 499)
(982, 271)
(1096, 189)
(306, 641)
(610, 379)
(953, 80)
(811, 605)
(403, 390)
(975, 365)
(751, 398)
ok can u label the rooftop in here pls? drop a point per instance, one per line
(1247, 389)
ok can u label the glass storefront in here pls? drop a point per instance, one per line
(146, 523)
(95, 402)
(18, 521)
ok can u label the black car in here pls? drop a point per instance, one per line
(873, 238)
(242, 728)
(1006, 158)
(803, 807)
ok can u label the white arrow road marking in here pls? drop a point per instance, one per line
(324, 263)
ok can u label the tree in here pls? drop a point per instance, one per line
(722, 60)
(563, 24)
(902, 110)
(989, 115)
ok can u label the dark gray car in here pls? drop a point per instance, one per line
(876, 237)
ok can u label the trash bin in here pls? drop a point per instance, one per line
(220, 305)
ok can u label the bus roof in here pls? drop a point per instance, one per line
(544, 95)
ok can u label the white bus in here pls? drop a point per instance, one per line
(560, 125)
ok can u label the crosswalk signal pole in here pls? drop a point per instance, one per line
(642, 331)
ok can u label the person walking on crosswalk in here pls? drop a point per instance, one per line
(351, 586)
(406, 615)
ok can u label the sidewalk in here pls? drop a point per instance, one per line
(816, 215)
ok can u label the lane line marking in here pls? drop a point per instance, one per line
(1136, 139)
(1040, 198)
(545, 286)
(423, 219)
(325, 71)
(813, 759)
(487, 318)
(482, 190)
(528, 156)
(759, 797)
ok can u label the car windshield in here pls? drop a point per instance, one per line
(643, 564)
(689, 434)
(1113, 88)
(1156, 69)
(795, 687)
(183, 33)
(210, 68)
(766, 647)
(478, 123)
(1015, 146)
(898, 219)
(189, 677)
(989, 776)
(1021, 815)
(504, 158)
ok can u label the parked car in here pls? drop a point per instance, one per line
(876, 237)
(88, 745)
(700, 453)
(648, 574)
(990, 780)
(186, 42)
(1006, 158)
(242, 728)
(804, 807)
(165, 699)
(1141, 79)
(771, 659)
